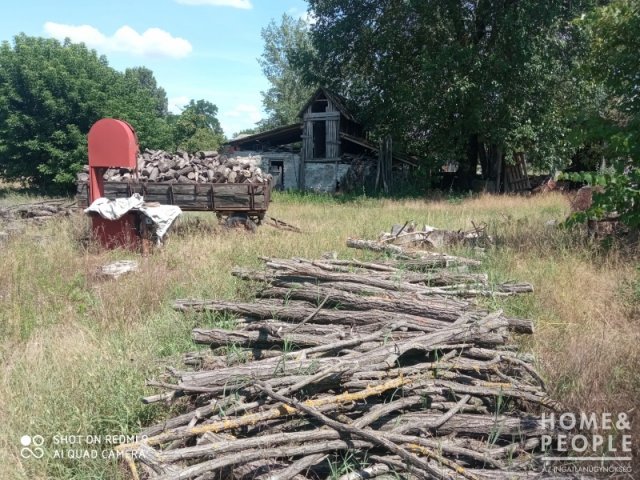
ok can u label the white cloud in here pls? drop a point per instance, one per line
(240, 117)
(242, 4)
(153, 42)
(309, 18)
(177, 104)
(246, 110)
(304, 15)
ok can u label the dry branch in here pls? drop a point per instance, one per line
(343, 355)
(427, 259)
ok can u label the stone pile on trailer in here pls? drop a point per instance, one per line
(204, 181)
(182, 167)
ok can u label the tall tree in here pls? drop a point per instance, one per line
(136, 103)
(613, 33)
(468, 81)
(612, 62)
(50, 95)
(147, 81)
(283, 45)
(197, 127)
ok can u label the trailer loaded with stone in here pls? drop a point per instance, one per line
(235, 189)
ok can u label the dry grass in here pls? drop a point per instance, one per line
(76, 349)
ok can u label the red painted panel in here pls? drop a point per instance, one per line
(121, 233)
(112, 143)
(96, 184)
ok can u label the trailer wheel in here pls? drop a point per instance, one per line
(239, 220)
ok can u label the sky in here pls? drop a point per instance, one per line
(197, 49)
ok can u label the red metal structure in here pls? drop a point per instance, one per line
(112, 144)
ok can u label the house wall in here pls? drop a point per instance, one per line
(322, 177)
(318, 177)
(291, 167)
(290, 163)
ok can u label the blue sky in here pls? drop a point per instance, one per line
(200, 49)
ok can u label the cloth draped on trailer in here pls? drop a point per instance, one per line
(162, 216)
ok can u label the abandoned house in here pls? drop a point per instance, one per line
(326, 151)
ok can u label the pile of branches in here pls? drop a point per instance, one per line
(36, 211)
(181, 167)
(427, 236)
(351, 369)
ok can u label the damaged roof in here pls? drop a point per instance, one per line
(292, 133)
(338, 100)
(371, 147)
(276, 136)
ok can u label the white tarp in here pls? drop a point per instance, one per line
(162, 216)
(114, 209)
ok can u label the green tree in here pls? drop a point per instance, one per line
(50, 95)
(138, 104)
(613, 119)
(613, 33)
(147, 81)
(466, 81)
(197, 127)
(284, 46)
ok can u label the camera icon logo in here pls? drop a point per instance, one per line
(32, 446)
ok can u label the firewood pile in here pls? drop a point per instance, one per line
(386, 369)
(181, 167)
(430, 237)
(36, 211)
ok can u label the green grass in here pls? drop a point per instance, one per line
(76, 349)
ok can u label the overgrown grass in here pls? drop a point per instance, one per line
(76, 349)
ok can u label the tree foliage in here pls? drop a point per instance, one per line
(454, 80)
(613, 33)
(148, 82)
(138, 104)
(50, 95)
(613, 65)
(197, 127)
(284, 45)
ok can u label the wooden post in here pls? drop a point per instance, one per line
(389, 161)
(307, 151)
(385, 159)
(379, 166)
(499, 168)
(332, 135)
